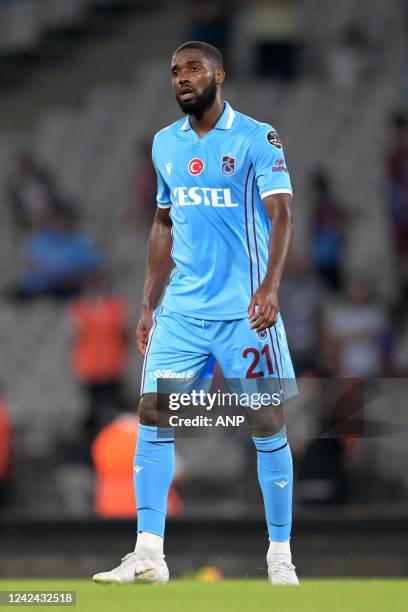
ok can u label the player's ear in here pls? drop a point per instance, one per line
(219, 75)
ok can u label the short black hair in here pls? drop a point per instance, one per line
(209, 51)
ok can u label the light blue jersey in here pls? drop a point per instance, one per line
(214, 187)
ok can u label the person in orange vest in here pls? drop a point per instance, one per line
(100, 351)
(112, 454)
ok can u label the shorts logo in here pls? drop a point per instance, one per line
(196, 166)
(156, 374)
(273, 139)
(263, 335)
(228, 165)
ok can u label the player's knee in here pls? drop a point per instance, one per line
(265, 422)
(148, 409)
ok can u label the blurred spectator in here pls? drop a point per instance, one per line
(112, 453)
(100, 351)
(397, 178)
(5, 446)
(322, 474)
(268, 39)
(400, 355)
(143, 188)
(59, 259)
(327, 421)
(347, 60)
(328, 221)
(31, 193)
(358, 327)
(209, 21)
(299, 298)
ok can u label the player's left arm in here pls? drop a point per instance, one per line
(264, 305)
(275, 190)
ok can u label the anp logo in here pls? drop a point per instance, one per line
(196, 166)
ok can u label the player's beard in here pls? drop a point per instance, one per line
(203, 102)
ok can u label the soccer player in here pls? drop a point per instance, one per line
(222, 232)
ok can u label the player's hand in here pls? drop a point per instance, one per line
(263, 308)
(143, 330)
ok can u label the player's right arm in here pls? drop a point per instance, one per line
(159, 261)
(159, 265)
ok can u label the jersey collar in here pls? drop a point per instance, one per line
(224, 122)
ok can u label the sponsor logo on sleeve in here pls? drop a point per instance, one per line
(279, 165)
(273, 139)
(196, 166)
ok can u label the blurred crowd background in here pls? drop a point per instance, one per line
(84, 85)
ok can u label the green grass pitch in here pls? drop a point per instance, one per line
(375, 595)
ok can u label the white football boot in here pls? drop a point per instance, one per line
(135, 567)
(281, 572)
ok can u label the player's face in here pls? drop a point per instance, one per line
(194, 79)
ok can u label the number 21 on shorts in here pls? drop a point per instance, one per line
(253, 353)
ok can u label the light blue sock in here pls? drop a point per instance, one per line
(153, 475)
(275, 475)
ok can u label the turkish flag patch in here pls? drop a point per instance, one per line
(196, 166)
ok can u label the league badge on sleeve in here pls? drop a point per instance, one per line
(273, 139)
(228, 165)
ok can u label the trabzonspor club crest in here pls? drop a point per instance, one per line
(263, 335)
(228, 165)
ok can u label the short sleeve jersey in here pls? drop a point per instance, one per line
(214, 187)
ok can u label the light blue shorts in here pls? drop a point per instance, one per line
(186, 348)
